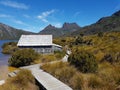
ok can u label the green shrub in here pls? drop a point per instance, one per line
(100, 34)
(9, 47)
(84, 61)
(23, 57)
(9, 43)
(111, 57)
(59, 54)
(79, 40)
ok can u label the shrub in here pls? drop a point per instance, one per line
(9, 43)
(84, 61)
(59, 54)
(78, 40)
(111, 58)
(23, 57)
(108, 58)
(9, 47)
(100, 34)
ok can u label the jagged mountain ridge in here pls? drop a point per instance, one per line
(10, 33)
(105, 24)
(56, 32)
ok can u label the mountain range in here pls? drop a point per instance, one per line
(57, 32)
(105, 24)
(10, 33)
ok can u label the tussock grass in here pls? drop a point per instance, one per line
(57, 55)
(77, 82)
(66, 73)
(23, 81)
(106, 78)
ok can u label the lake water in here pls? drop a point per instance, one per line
(3, 58)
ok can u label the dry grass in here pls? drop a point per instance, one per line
(11, 69)
(66, 73)
(49, 57)
(107, 77)
(23, 81)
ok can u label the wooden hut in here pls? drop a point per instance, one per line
(40, 43)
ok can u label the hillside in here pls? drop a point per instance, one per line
(106, 52)
(8, 32)
(56, 32)
(105, 24)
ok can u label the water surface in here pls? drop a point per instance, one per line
(3, 57)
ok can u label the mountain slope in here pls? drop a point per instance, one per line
(51, 30)
(56, 32)
(105, 24)
(8, 33)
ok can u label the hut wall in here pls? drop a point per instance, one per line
(40, 49)
(56, 48)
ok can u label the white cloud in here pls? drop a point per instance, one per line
(26, 16)
(76, 14)
(14, 4)
(44, 15)
(20, 22)
(4, 16)
(33, 29)
(58, 25)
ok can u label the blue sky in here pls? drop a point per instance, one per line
(34, 15)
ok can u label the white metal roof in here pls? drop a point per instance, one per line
(35, 40)
(57, 45)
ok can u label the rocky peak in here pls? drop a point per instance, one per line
(49, 27)
(117, 13)
(70, 26)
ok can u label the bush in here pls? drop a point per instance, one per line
(59, 54)
(111, 58)
(23, 57)
(78, 40)
(84, 61)
(9, 47)
(100, 34)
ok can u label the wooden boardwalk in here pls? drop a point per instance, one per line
(45, 79)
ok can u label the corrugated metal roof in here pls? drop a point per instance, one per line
(35, 40)
(57, 45)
